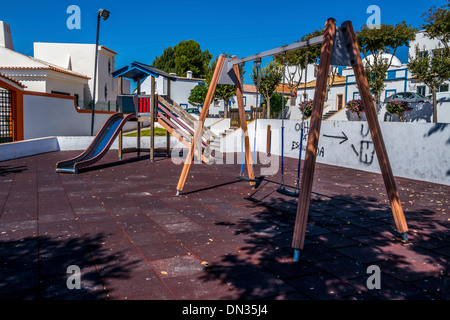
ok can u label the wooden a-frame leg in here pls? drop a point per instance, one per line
(241, 107)
(198, 129)
(313, 139)
(377, 138)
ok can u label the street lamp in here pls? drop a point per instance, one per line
(102, 13)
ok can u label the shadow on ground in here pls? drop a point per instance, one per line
(36, 267)
(345, 235)
(7, 170)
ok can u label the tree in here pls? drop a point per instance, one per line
(432, 69)
(377, 41)
(437, 24)
(166, 61)
(223, 91)
(183, 57)
(269, 78)
(198, 94)
(277, 104)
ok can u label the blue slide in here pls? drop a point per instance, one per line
(98, 147)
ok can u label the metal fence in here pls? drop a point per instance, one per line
(6, 116)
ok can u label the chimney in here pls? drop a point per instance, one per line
(5, 36)
(189, 74)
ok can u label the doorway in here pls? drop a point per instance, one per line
(340, 101)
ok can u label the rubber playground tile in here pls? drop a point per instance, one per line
(333, 240)
(390, 288)
(438, 286)
(322, 286)
(363, 253)
(126, 284)
(316, 251)
(285, 268)
(112, 206)
(259, 285)
(177, 266)
(343, 267)
(162, 250)
(19, 280)
(202, 285)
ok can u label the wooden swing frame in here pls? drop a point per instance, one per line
(339, 47)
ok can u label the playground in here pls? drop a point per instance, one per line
(141, 224)
(132, 238)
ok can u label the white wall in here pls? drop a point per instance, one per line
(48, 116)
(416, 150)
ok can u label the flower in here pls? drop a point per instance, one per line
(398, 108)
(355, 106)
(306, 107)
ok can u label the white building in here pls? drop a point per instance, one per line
(426, 46)
(63, 68)
(35, 74)
(396, 79)
(81, 59)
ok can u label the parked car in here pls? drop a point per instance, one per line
(193, 111)
(411, 97)
(440, 96)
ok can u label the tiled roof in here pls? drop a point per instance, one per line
(12, 80)
(50, 67)
(249, 88)
(337, 81)
(103, 47)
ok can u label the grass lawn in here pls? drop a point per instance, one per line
(146, 133)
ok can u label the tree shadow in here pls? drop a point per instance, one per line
(37, 267)
(7, 170)
(345, 235)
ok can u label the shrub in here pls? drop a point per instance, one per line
(306, 108)
(399, 108)
(355, 106)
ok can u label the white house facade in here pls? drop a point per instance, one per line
(81, 58)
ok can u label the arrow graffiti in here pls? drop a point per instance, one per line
(344, 138)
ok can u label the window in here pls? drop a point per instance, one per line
(184, 105)
(390, 75)
(305, 96)
(106, 91)
(390, 92)
(59, 92)
(423, 53)
(356, 96)
(77, 98)
(421, 90)
(443, 88)
(216, 103)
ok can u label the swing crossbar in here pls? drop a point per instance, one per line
(285, 48)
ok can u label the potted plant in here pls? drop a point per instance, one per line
(355, 106)
(306, 108)
(399, 108)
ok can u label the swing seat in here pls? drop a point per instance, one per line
(289, 193)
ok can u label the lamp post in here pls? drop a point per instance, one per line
(102, 13)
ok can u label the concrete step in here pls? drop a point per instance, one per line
(329, 114)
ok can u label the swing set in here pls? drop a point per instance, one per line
(339, 48)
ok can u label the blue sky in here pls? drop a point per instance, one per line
(140, 30)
